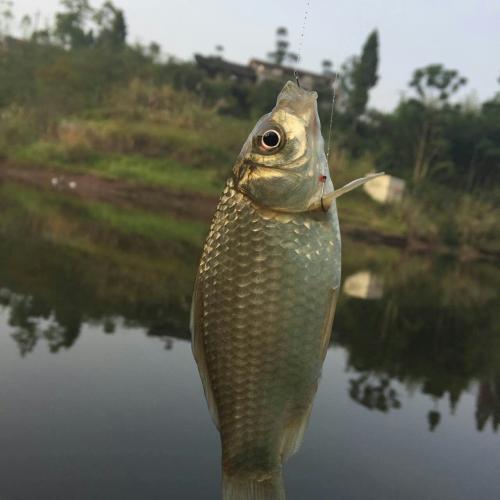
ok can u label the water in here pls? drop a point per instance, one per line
(101, 399)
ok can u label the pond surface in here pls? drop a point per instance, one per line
(100, 396)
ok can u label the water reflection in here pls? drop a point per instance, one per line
(430, 326)
(435, 330)
(488, 404)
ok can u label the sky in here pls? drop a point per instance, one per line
(461, 34)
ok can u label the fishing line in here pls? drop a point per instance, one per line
(334, 95)
(323, 177)
(329, 143)
(301, 41)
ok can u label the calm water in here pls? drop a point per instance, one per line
(100, 397)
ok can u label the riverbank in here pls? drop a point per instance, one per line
(199, 206)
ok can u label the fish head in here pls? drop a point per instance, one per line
(282, 165)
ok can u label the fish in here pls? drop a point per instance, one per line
(265, 295)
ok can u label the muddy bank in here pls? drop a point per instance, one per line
(118, 192)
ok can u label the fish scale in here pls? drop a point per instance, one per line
(262, 340)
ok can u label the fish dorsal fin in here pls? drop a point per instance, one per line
(326, 201)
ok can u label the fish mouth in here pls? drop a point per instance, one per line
(291, 91)
(246, 168)
(298, 101)
(239, 173)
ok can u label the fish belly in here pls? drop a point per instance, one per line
(265, 287)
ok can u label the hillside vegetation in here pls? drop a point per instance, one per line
(77, 97)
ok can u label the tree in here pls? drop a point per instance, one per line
(154, 51)
(70, 27)
(112, 26)
(362, 77)
(220, 51)
(6, 17)
(26, 26)
(327, 66)
(281, 53)
(434, 84)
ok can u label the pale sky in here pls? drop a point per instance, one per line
(461, 34)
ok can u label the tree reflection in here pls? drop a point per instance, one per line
(59, 273)
(374, 392)
(433, 417)
(33, 320)
(488, 404)
(435, 329)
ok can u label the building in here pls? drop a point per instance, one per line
(215, 66)
(258, 71)
(269, 71)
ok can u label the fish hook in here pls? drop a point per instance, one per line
(297, 79)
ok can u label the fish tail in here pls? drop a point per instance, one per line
(249, 487)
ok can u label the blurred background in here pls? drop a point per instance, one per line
(119, 123)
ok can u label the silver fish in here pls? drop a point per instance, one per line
(265, 295)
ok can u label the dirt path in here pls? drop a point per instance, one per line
(118, 192)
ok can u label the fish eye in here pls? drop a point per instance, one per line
(270, 139)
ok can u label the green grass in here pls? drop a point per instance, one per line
(153, 171)
(357, 209)
(47, 207)
(145, 224)
(159, 172)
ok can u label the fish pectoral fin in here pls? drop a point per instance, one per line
(326, 201)
(197, 345)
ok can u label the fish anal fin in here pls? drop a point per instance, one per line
(198, 347)
(293, 434)
(328, 322)
(297, 424)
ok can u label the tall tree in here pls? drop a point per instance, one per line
(26, 26)
(219, 49)
(71, 25)
(434, 85)
(6, 17)
(327, 67)
(363, 77)
(112, 26)
(281, 52)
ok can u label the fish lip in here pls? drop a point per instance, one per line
(292, 91)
